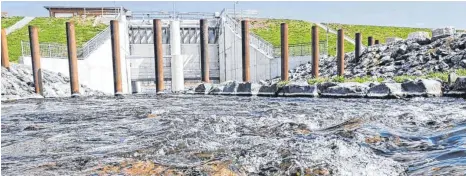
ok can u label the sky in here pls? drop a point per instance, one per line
(409, 14)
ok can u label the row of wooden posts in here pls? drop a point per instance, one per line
(157, 28)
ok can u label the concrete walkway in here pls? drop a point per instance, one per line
(18, 25)
(335, 32)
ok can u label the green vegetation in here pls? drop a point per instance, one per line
(377, 32)
(339, 79)
(399, 79)
(317, 80)
(298, 32)
(282, 83)
(10, 21)
(434, 75)
(53, 30)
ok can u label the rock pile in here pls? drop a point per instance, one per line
(386, 89)
(417, 56)
(18, 83)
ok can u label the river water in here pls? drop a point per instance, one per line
(228, 135)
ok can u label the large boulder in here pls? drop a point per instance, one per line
(460, 84)
(442, 32)
(225, 88)
(268, 90)
(386, 90)
(247, 89)
(348, 89)
(458, 88)
(422, 87)
(392, 40)
(299, 89)
(203, 88)
(420, 37)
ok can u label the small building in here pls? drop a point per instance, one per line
(4, 14)
(60, 11)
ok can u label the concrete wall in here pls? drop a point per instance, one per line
(96, 72)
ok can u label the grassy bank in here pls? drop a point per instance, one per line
(298, 32)
(10, 21)
(377, 32)
(53, 30)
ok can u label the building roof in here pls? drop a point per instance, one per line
(89, 8)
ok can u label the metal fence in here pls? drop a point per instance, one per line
(55, 50)
(302, 49)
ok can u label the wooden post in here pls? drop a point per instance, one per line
(357, 49)
(35, 58)
(5, 57)
(72, 59)
(158, 52)
(284, 52)
(245, 50)
(115, 32)
(204, 50)
(315, 51)
(341, 53)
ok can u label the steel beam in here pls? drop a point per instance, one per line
(357, 49)
(5, 57)
(158, 52)
(204, 50)
(115, 36)
(370, 41)
(341, 53)
(315, 51)
(284, 51)
(35, 58)
(245, 50)
(72, 59)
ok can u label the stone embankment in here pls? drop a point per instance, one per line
(386, 89)
(18, 83)
(415, 56)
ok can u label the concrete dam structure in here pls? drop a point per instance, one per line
(136, 40)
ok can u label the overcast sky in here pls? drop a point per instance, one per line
(412, 14)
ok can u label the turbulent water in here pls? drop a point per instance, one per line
(248, 135)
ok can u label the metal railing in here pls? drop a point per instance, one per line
(143, 15)
(49, 50)
(302, 49)
(94, 43)
(254, 40)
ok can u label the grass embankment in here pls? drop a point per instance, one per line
(377, 32)
(10, 21)
(53, 30)
(399, 79)
(298, 32)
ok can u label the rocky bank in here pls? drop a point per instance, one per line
(18, 83)
(415, 57)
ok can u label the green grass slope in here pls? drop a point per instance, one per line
(377, 32)
(298, 32)
(9, 21)
(53, 30)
